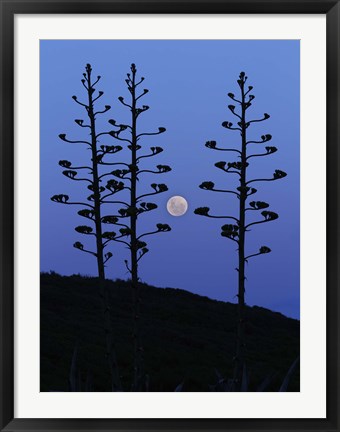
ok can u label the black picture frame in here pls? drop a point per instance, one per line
(8, 9)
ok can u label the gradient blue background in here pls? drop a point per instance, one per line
(188, 83)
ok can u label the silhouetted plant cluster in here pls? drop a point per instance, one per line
(125, 218)
(237, 230)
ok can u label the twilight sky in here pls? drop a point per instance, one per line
(188, 83)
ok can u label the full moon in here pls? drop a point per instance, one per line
(177, 206)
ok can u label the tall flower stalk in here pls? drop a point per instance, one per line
(96, 200)
(137, 206)
(239, 227)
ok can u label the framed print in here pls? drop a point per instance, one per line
(169, 249)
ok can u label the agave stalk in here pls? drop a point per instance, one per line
(237, 230)
(135, 207)
(93, 208)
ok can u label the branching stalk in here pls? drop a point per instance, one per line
(237, 232)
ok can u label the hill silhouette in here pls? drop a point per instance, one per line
(187, 338)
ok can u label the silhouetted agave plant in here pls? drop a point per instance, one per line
(137, 206)
(237, 231)
(230, 385)
(98, 197)
(76, 384)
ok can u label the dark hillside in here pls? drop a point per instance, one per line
(186, 336)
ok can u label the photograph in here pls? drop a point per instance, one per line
(169, 215)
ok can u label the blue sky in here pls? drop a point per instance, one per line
(188, 83)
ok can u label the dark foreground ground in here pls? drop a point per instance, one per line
(186, 337)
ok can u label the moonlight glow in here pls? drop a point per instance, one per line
(177, 206)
